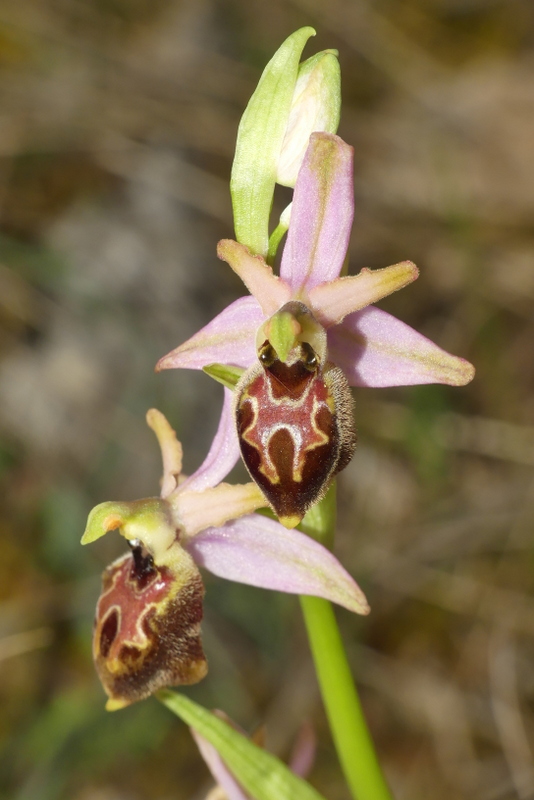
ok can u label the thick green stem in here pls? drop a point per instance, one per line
(343, 708)
(350, 733)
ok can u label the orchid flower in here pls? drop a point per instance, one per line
(372, 347)
(147, 625)
(311, 320)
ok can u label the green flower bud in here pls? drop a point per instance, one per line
(259, 141)
(290, 102)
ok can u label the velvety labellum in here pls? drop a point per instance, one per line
(147, 628)
(295, 427)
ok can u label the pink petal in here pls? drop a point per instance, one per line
(374, 348)
(258, 551)
(304, 750)
(321, 216)
(270, 292)
(331, 302)
(171, 450)
(222, 775)
(197, 511)
(223, 454)
(230, 338)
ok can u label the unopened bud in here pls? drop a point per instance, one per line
(315, 107)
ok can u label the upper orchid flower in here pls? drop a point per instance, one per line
(147, 626)
(310, 322)
(372, 347)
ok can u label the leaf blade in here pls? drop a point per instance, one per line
(263, 775)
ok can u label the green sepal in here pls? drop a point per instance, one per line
(261, 774)
(222, 373)
(259, 141)
(283, 333)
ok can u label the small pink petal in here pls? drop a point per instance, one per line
(258, 551)
(304, 750)
(230, 338)
(171, 450)
(374, 348)
(321, 215)
(223, 454)
(331, 302)
(221, 774)
(270, 292)
(196, 511)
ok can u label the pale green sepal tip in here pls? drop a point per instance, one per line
(222, 373)
(259, 140)
(261, 774)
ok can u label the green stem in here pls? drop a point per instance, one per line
(350, 733)
(343, 708)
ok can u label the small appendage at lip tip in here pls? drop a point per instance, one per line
(115, 705)
(290, 521)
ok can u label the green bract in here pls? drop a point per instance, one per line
(290, 102)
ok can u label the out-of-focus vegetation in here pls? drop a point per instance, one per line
(117, 125)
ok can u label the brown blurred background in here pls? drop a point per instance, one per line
(117, 126)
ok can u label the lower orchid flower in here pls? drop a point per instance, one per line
(307, 335)
(147, 626)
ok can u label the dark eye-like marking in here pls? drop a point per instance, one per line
(308, 357)
(108, 633)
(267, 354)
